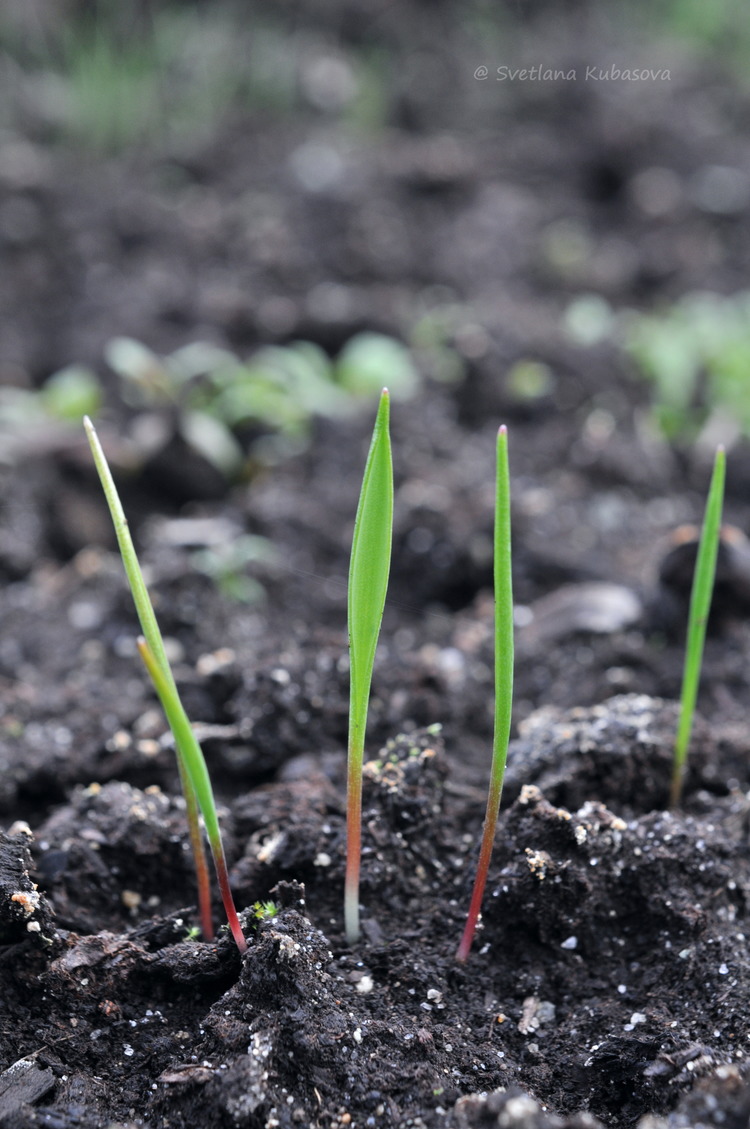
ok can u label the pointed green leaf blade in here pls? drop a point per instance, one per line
(368, 582)
(700, 606)
(370, 565)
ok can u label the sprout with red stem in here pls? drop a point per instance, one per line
(194, 777)
(503, 684)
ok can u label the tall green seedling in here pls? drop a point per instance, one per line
(503, 684)
(368, 582)
(700, 605)
(194, 778)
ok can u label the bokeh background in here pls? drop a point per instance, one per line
(224, 224)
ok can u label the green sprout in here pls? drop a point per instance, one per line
(700, 605)
(264, 911)
(368, 581)
(503, 684)
(196, 784)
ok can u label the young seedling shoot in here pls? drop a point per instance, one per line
(195, 763)
(700, 605)
(503, 685)
(194, 778)
(368, 581)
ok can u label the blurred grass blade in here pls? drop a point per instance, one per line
(368, 582)
(700, 606)
(503, 581)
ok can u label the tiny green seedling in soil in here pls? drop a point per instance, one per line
(503, 684)
(194, 777)
(700, 605)
(368, 582)
(264, 911)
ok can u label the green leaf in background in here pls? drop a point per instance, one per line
(72, 393)
(368, 360)
(212, 439)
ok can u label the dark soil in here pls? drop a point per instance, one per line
(610, 980)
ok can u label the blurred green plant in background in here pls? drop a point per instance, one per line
(695, 355)
(106, 75)
(110, 75)
(227, 565)
(229, 410)
(65, 399)
(265, 404)
(720, 29)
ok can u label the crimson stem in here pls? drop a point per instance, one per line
(195, 765)
(503, 684)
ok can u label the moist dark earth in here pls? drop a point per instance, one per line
(609, 983)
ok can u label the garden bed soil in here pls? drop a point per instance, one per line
(609, 983)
